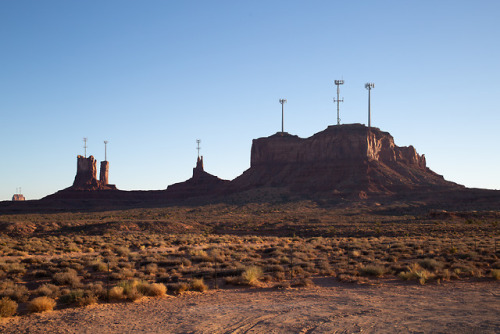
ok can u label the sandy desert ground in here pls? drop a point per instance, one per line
(330, 307)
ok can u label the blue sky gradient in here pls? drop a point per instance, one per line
(153, 76)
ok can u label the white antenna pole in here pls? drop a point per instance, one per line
(338, 83)
(198, 141)
(369, 86)
(85, 145)
(105, 150)
(282, 101)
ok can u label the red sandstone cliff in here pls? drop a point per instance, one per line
(346, 158)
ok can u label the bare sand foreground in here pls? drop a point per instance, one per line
(389, 307)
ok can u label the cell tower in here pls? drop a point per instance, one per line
(282, 101)
(198, 141)
(105, 150)
(85, 145)
(338, 100)
(369, 86)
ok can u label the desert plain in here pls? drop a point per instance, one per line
(281, 265)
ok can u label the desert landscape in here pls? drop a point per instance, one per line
(340, 232)
(249, 167)
(278, 266)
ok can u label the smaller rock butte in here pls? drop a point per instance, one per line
(18, 197)
(86, 175)
(200, 184)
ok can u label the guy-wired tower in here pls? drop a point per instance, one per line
(338, 100)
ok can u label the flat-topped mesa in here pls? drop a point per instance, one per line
(348, 158)
(344, 142)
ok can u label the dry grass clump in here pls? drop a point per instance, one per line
(87, 299)
(68, 277)
(13, 269)
(131, 289)
(48, 290)
(251, 275)
(303, 282)
(151, 269)
(41, 304)
(14, 291)
(372, 270)
(178, 288)
(8, 307)
(71, 296)
(100, 266)
(416, 272)
(116, 293)
(495, 273)
(135, 289)
(152, 289)
(197, 284)
(430, 264)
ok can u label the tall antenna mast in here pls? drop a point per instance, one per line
(85, 145)
(338, 100)
(198, 141)
(369, 86)
(105, 150)
(282, 101)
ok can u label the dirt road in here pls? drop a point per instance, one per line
(390, 307)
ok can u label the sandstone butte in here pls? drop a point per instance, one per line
(347, 160)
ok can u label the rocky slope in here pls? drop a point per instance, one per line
(201, 184)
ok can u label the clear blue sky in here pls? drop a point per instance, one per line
(153, 76)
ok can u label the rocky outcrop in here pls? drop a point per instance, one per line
(200, 184)
(344, 158)
(349, 159)
(103, 174)
(86, 175)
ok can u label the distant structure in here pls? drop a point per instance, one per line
(85, 145)
(282, 101)
(369, 86)
(338, 100)
(18, 196)
(198, 141)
